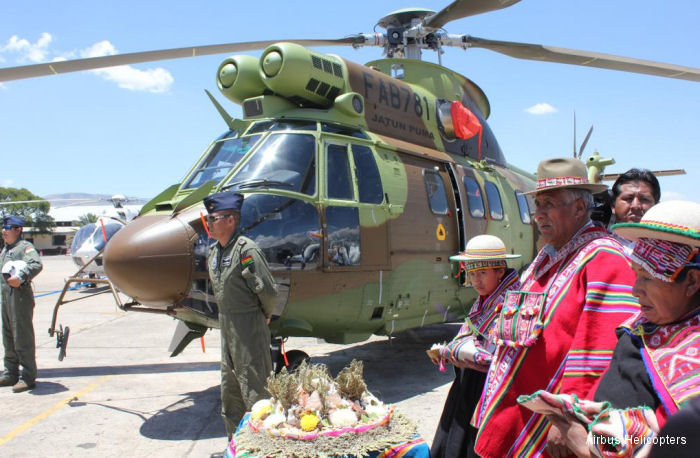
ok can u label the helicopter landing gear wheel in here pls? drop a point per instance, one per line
(295, 358)
(62, 341)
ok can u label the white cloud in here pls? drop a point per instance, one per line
(27, 51)
(7, 183)
(2, 86)
(127, 77)
(541, 109)
(156, 80)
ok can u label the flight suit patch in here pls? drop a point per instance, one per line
(226, 261)
(245, 262)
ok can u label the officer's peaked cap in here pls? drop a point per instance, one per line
(12, 220)
(223, 201)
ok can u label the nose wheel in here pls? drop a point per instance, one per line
(62, 341)
(290, 359)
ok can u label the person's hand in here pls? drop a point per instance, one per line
(15, 282)
(267, 320)
(567, 436)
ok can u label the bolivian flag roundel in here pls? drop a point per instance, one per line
(245, 262)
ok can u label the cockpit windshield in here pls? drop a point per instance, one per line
(283, 161)
(223, 156)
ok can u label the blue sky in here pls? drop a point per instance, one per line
(137, 130)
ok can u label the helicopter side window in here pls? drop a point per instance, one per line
(343, 225)
(494, 197)
(474, 198)
(282, 161)
(281, 125)
(339, 184)
(437, 196)
(369, 183)
(523, 207)
(221, 159)
(342, 130)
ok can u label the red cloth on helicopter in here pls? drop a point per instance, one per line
(465, 123)
(587, 286)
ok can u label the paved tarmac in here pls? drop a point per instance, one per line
(118, 393)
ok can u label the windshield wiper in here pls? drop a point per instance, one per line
(256, 184)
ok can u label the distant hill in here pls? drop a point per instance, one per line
(82, 198)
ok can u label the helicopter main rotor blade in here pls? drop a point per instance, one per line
(464, 8)
(658, 173)
(585, 141)
(92, 63)
(584, 58)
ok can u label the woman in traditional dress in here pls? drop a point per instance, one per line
(655, 368)
(484, 262)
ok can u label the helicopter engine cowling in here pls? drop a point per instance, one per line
(238, 78)
(303, 76)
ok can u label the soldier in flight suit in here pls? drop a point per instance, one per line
(20, 263)
(245, 292)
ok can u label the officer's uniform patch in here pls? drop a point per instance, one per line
(226, 261)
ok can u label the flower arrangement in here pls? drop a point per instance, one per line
(309, 403)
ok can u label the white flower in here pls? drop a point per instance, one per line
(375, 410)
(273, 420)
(258, 406)
(342, 417)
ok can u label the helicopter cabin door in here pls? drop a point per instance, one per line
(355, 229)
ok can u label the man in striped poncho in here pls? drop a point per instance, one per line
(558, 332)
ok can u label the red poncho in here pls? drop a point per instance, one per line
(585, 292)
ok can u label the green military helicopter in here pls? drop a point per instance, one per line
(359, 180)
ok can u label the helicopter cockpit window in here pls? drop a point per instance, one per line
(343, 225)
(287, 230)
(494, 197)
(339, 184)
(342, 130)
(369, 183)
(474, 200)
(283, 161)
(227, 134)
(110, 228)
(523, 207)
(284, 124)
(221, 159)
(437, 196)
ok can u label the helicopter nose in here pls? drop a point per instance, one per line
(151, 258)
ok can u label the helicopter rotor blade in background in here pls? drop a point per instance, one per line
(585, 140)
(93, 63)
(657, 173)
(584, 58)
(464, 8)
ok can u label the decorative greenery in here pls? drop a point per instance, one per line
(284, 387)
(350, 382)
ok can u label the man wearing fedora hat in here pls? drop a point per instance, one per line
(20, 263)
(558, 332)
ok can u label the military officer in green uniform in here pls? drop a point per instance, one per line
(20, 263)
(245, 292)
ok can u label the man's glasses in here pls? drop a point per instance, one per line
(7, 227)
(210, 219)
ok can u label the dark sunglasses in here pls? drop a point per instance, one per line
(7, 227)
(211, 219)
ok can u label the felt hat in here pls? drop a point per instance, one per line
(221, 201)
(667, 239)
(674, 220)
(564, 173)
(484, 251)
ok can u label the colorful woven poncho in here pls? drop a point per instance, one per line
(564, 340)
